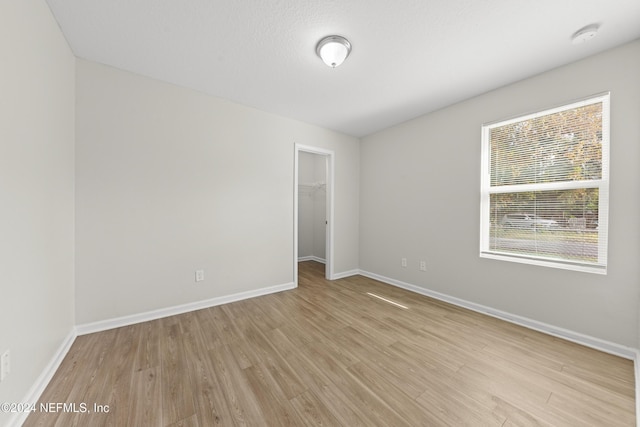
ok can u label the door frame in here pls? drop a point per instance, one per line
(330, 156)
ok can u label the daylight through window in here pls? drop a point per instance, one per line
(545, 187)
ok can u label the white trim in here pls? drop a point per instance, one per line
(346, 274)
(330, 179)
(587, 100)
(312, 258)
(548, 186)
(103, 325)
(561, 264)
(43, 380)
(45, 377)
(335, 276)
(636, 369)
(602, 184)
(586, 340)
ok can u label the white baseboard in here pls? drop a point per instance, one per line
(636, 368)
(103, 325)
(42, 381)
(595, 343)
(312, 258)
(344, 274)
(335, 276)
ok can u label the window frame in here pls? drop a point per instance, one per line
(601, 184)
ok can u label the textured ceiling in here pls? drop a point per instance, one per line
(409, 57)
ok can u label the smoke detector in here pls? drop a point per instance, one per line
(585, 34)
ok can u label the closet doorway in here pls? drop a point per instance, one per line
(313, 208)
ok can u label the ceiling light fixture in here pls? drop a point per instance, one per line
(585, 34)
(333, 50)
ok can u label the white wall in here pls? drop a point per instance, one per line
(170, 180)
(312, 205)
(36, 192)
(420, 199)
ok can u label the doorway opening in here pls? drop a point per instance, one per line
(313, 208)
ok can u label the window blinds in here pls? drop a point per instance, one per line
(545, 192)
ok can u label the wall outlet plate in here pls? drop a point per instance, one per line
(199, 275)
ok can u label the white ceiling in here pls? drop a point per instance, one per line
(409, 57)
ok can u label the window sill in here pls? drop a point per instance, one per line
(564, 265)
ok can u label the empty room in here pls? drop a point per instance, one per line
(332, 213)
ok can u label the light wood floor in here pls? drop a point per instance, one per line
(328, 353)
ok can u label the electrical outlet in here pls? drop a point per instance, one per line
(5, 365)
(199, 275)
(404, 262)
(423, 265)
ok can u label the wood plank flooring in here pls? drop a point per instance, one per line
(331, 354)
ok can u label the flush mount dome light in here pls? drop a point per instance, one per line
(585, 34)
(333, 50)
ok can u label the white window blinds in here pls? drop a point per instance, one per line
(545, 181)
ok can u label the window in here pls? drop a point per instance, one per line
(545, 187)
